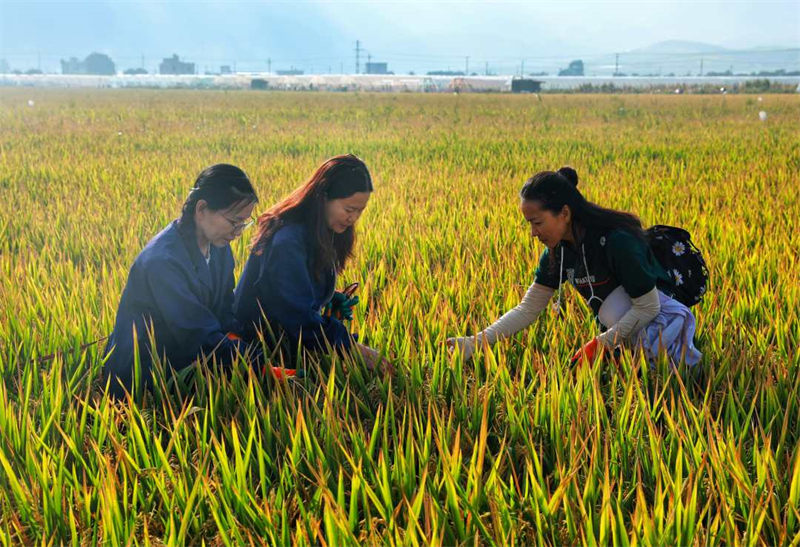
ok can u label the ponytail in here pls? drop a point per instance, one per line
(555, 189)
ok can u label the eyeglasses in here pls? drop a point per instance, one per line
(239, 226)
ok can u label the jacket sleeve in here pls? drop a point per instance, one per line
(644, 309)
(546, 275)
(513, 321)
(520, 317)
(286, 294)
(193, 326)
(229, 321)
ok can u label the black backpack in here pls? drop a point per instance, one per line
(673, 248)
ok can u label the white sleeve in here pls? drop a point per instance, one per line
(533, 303)
(513, 321)
(644, 309)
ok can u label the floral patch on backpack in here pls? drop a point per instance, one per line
(682, 260)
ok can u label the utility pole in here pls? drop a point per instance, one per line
(269, 65)
(369, 62)
(358, 52)
(616, 65)
(142, 60)
(466, 65)
(487, 68)
(701, 66)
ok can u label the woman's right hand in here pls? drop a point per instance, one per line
(374, 360)
(465, 344)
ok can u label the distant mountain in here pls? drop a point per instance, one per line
(679, 57)
(680, 46)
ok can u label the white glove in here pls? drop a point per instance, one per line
(465, 344)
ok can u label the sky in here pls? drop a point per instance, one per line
(319, 36)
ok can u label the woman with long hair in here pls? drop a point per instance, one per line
(302, 243)
(179, 292)
(604, 254)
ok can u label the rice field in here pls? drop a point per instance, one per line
(514, 447)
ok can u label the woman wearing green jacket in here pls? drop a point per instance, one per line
(604, 254)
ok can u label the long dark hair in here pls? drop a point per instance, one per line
(555, 189)
(338, 177)
(221, 186)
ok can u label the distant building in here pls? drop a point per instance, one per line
(446, 73)
(525, 85)
(289, 72)
(377, 68)
(135, 71)
(473, 84)
(95, 63)
(225, 69)
(173, 65)
(575, 69)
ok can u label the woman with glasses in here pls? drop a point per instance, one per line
(302, 243)
(604, 254)
(179, 292)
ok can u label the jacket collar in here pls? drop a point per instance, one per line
(198, 261)
(590, 239)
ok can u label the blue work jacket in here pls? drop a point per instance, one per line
(186, 300)
(279, 285)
